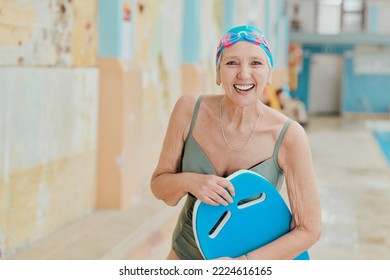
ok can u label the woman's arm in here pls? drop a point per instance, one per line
(295, 159)
(167, 182)
(297, 163)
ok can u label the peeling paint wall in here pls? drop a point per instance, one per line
(48, 117)
(48, 32)
(159, 52)
(211, 31)
(155, 63)
(84, 33)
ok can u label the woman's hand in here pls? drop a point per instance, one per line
(211, 189)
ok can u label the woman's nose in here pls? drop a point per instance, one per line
(244, 72)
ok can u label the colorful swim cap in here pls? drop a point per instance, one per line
(245, 33)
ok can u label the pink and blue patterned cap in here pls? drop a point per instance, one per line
(245, 33)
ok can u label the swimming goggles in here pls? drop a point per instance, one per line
(244, 33)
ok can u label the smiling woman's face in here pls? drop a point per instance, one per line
(243, 72)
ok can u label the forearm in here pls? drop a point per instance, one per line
(288, 246)
(170, 187)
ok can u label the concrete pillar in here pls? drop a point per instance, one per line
(120, 107)
(192, 73)
(119, 121)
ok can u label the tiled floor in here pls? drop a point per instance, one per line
(354, 185)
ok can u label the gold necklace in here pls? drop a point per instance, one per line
(223, 132)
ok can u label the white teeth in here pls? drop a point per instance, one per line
(244, 87)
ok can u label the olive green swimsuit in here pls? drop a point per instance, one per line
(194, 160)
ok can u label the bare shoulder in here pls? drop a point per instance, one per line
(211, 102)
(274, 119)
(295, 146)
(295, 135)
(277, 120)
(182, 113)
(186, 103)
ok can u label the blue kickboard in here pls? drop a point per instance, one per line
(257, 216)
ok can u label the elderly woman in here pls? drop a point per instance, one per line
(210, 137)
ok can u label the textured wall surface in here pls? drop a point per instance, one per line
(48, 32)
(158, 50)
(48, 150)
(48, 117)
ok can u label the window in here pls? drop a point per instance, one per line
(352, 16)
(329, 16)
(336, 16)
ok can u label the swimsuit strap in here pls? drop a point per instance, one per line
(280, 138)
(195, 114)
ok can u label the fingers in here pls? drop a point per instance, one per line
(221, 198)
(218, 191)
(224, 194)
(228, 186)
(209, 201)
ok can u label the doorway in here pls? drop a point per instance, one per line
(326, 75)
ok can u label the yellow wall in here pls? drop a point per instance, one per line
(48, 32)
(48, 117)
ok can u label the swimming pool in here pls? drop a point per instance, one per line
(381, 131)
(383, 138)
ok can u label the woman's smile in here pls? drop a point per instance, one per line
(244, 87)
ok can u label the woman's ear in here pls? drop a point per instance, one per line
(269, 81)
(218, 79)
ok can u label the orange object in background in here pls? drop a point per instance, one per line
(295, 57)
(269, 98)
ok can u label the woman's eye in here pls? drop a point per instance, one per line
(231, 62)
(257, 63)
